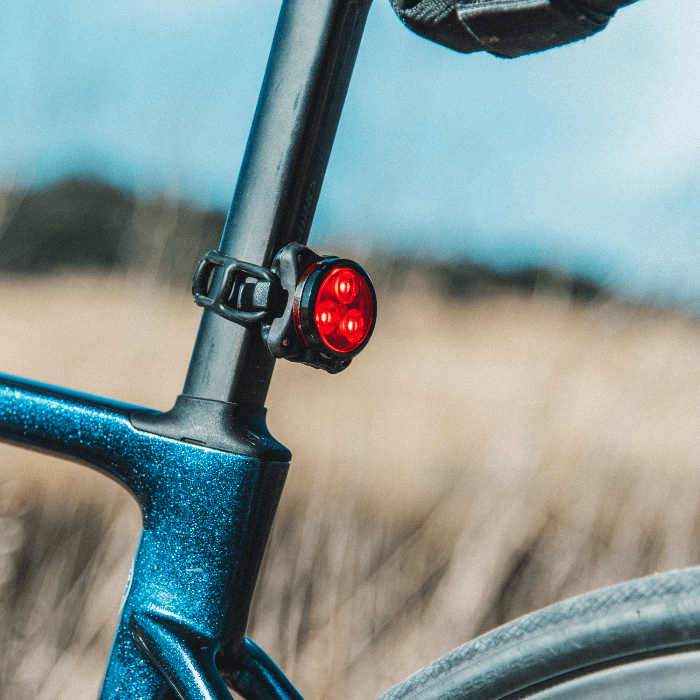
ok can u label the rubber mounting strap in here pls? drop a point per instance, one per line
(506, 28)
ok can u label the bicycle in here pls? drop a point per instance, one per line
(182, 626)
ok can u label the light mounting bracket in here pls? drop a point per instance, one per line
(316, 310)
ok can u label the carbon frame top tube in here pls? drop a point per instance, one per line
(207, 474)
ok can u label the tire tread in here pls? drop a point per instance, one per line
(652, 613)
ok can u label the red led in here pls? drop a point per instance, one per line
(344, 310)
(347, 285)
(327, 317)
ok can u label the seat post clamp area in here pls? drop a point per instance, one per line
(238, 291)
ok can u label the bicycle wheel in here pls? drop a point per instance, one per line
(639, 639)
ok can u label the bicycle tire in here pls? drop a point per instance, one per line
(638, 639)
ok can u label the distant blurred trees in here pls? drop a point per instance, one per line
(93, 226)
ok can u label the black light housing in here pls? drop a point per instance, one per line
(330, 311)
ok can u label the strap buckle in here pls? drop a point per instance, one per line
(236, 290)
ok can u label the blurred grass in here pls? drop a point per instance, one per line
(486, 456)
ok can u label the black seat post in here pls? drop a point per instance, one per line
(298, 110)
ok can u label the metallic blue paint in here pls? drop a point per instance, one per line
(257, 676)
(206, 515)
(207, 511)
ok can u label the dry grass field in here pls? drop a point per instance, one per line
(481, 459)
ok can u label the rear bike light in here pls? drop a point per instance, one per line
(334, 306)
(330, 311)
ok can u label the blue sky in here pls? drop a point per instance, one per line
(584, 158)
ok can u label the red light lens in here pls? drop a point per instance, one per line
(344, 310)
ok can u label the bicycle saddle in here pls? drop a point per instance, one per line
(506, 28)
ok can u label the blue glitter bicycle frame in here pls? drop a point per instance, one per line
(207, 474)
